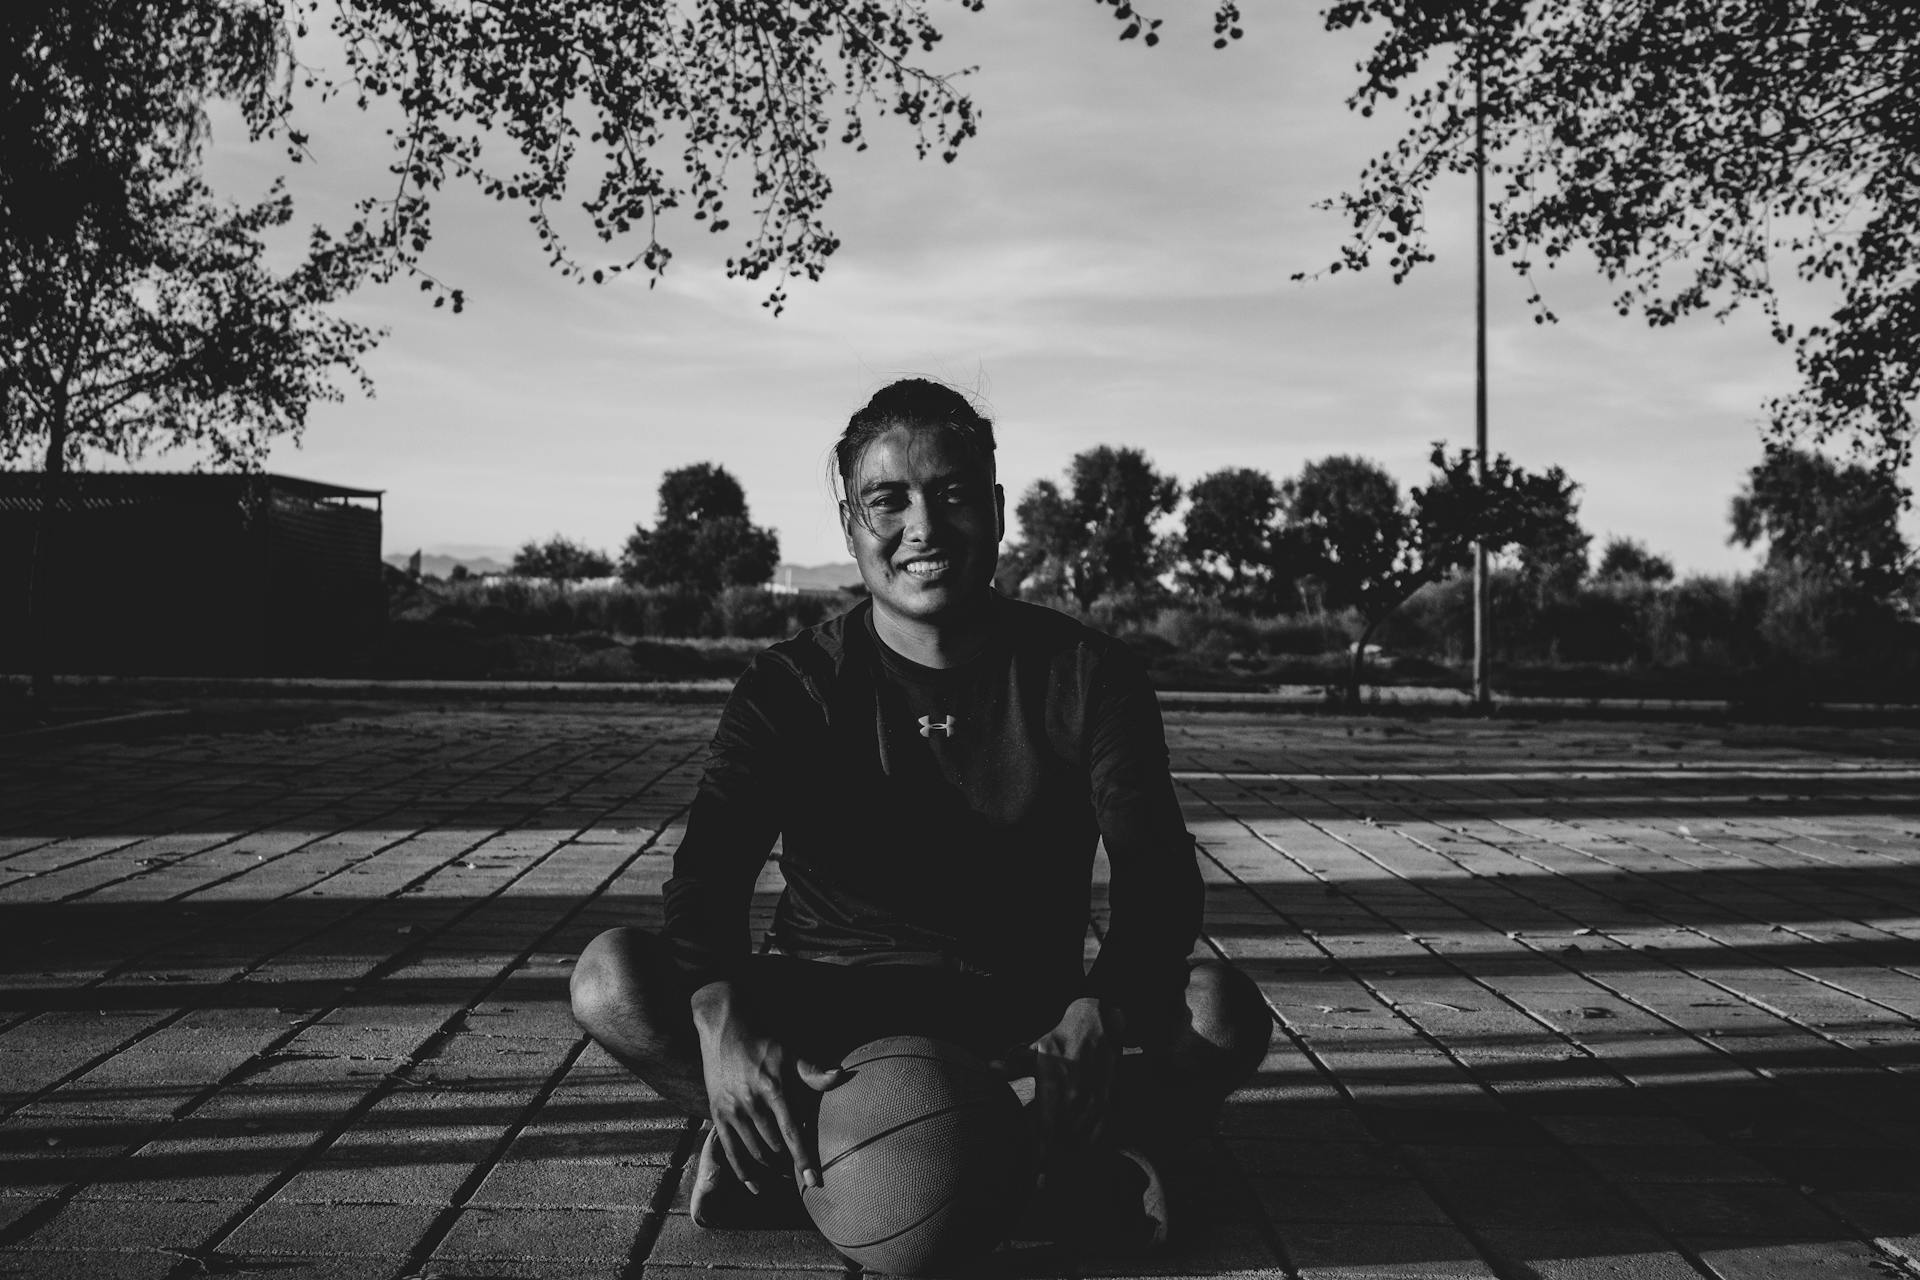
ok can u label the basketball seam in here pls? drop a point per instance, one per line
(897, 1056)
(924, 1116)
(973, 1103)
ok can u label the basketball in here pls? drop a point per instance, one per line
(924, 1159)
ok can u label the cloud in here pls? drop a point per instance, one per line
(1109, 262)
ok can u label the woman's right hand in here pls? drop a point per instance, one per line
(749, 1077)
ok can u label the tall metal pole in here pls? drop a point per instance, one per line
(1482, 692)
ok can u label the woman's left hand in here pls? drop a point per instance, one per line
(1073, 1068)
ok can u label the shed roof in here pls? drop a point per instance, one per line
(20, 490)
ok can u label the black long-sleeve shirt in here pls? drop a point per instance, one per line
(951, 813)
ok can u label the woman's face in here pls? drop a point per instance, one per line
(923, 519)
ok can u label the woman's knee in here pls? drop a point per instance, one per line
(609, 977)
(1228, 1011)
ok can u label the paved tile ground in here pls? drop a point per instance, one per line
(1556, 1000)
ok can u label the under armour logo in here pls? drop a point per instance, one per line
(929, 726)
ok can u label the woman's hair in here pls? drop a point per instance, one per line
(917, 403)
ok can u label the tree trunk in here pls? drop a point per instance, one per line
(1085, 589)
(1357, 663)
(40, 609)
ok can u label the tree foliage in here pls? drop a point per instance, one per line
(561, 560)
(702, 539)
(1346, 516)
(1554, 561)
(137, 311)
(1629, 558)
(1842, 522)
(1229, 544)
(640, 114)
(1505, 509)
(1699, 149)
(1096, 538)
(1370, 550)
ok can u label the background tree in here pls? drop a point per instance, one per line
(1097, 538)
(1346, 517)
(1372, 551)
(651, 111)
(1228, 542)
(561, 560)
(1554, 562)
(1038, 560)
(1629, 559)
(1697, 149)
(702, 539)
(137, 312)
(1841, 522)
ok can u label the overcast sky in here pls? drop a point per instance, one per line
(1107, 263)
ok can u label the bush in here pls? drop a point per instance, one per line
(749, 611)
(671, 612)
(1708, 622)
(1436, 623)
(1780, 637)
(1773, 640)
(531, 607)
(1205, 630)
(1814, 620)
(1603, 622)
(1124, 611)
(1305, 634)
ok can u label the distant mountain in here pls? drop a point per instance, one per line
(435, 565)
(818, 577)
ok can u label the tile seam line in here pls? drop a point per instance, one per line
(76, 792)
(1394, 1008)
(1824, 945)
(1858, 1235)
(1696, 804)
(175, 806)
(1487, 1253)
(1641, 875)
(1454, 806)
(450, 1028)
(660, 1203)
(346, 751)
(1672, 965)
(128, 964)
(314, 808)
(35, 1219)
(1882, 864)
(291, 789)
(162, 1021)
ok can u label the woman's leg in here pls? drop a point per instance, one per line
(1219, 1048)
(1145, 1185)
(628, 997)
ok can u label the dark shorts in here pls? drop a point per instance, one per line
(824, 1009)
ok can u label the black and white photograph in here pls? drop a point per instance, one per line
(998, 639)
